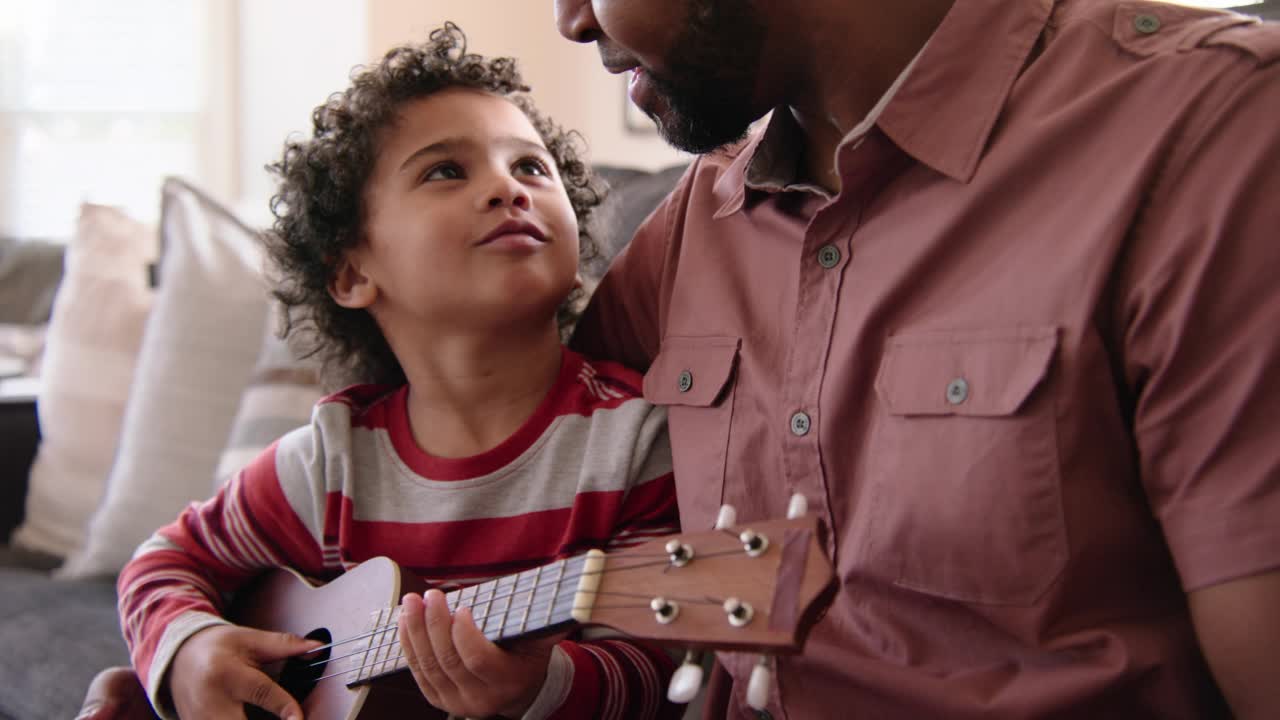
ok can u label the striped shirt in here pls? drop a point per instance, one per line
(590, 468)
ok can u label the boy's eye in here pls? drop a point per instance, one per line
(443, 171)
(532, 166)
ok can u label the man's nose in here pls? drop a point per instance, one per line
(576, 20)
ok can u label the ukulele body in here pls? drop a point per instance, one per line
(347, 607)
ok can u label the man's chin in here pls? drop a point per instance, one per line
(701, 135)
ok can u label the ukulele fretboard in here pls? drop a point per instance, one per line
(511, 606)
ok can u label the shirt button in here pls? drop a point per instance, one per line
(1146, 24)
(800, 424)
(957, 391)
(685, 381)
(828, 256)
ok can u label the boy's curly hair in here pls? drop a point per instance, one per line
(319, 209)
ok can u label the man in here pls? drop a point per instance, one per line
(996, 291)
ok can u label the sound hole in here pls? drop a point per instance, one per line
(299, 675)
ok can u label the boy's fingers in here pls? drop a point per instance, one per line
(256, 688)
(272, 646)
(440, 631)
(475, 650)
(415, 643)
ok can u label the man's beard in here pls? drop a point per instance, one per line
(710, 77)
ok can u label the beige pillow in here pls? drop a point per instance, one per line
(91, 348)
(281, 393)
(201, 342)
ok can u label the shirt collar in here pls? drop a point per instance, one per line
(940, 110)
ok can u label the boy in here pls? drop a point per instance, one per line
(428, 238)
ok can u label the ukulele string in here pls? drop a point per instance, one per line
(534, 604)
(396, 643)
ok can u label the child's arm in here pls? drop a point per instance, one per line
(174, 587)
(614, 677)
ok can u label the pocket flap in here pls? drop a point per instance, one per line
(979, 372)
(691, 370)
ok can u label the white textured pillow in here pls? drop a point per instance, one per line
(281, 393)
(198, 352)
(91, 348)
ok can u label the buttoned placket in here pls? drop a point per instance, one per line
(830, 245)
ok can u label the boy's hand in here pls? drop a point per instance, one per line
(219, 669)
(459, 670)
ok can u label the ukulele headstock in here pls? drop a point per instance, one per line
(752, 587)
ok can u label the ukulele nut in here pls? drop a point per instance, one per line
(679, 553)
(664, 611)
(740, 613)
(754, 543)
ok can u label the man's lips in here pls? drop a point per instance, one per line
(514, 227)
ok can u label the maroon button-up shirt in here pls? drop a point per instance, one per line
(1036, 340)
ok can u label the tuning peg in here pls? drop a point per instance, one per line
(798, 507)
(686, 681)
(758, 686)
(727, 518)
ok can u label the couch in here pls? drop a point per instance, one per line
(58, 624)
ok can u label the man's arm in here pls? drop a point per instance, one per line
(1238, 623)
(1202, 354)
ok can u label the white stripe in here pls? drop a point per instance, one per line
(613, 676)
(241, 533)
(649, 683)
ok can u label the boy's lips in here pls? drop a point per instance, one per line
(514, 229)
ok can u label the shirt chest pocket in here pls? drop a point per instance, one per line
(964, 469)
(693, 377)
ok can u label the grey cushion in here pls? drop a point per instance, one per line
(57, 636)
(29, 275)
(633, 194)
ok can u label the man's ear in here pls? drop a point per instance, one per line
(350, 287)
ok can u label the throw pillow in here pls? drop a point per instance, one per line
(282, 390)
(91, 347)
(199, 349)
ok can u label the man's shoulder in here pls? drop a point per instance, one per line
(1143, 29)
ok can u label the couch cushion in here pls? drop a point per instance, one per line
(282, 390)
(91, 349)
(57, 636)
(198, 352)
(633, 194)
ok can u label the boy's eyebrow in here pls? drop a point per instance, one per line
(453, 144)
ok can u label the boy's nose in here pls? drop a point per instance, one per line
(576, 21)
(509, 192)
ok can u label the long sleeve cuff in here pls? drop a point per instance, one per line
(178, 631)
(555, 689)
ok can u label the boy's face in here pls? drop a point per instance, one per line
(468, 226)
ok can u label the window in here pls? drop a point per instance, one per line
(100, 100)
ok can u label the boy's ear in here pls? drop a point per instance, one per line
(350, 287)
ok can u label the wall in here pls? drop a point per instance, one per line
(568, 82)
(292, 54)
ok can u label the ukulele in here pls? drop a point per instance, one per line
(756, 587)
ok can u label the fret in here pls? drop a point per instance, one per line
(360, 663)
(463, 600)
(381, 651)
(502, 595)
(555, 590)
(480, 610)
(524, 616)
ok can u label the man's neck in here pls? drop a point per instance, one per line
(852, 54)
(469, 393)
